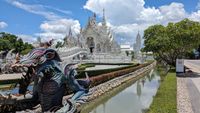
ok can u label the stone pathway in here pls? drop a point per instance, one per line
(5, 77)
(188, 94)
(99, 67)
(194, 93)
(183, 99)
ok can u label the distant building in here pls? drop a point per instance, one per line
(126, 47)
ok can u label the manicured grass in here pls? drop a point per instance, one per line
(165, 99)
(84, 66)
(81, 73)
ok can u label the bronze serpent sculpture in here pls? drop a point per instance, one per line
(50, 81)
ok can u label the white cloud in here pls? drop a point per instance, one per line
(3, 24)
(173, 12)
(27, 38)
(127, 33)
(117, 11)
(195, 16)
(150, 15)
(58, 10)
(127, 17)
(58, 29)
(39, 9)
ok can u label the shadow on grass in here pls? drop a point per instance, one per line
(188, 75)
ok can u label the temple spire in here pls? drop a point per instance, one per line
(94, 16)
(104, 18)
(70, 32)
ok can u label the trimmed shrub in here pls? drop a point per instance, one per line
(96, 80)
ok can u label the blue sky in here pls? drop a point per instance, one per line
(32, 18)
(22, 22)
(190, 5)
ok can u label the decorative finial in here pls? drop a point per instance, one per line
(104, 18)
(70, 32)
(94, 15)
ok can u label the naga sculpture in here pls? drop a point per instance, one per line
(50, 81)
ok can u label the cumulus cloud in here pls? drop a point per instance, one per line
(150, 15)
(58, 29)
(117, 11)
(173, 12)
(127, 33)
(127, 18)
(3, 24)
(195, 16)
(27, 38)
(55, 27)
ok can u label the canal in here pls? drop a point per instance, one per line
(133, 99)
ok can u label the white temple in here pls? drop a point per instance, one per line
(69, 40)
(98, 36)
(94, 43)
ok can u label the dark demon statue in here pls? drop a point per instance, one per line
(50, 81)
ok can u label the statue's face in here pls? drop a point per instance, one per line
(38, 56)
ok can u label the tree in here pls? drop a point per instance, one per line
(132, 55)
(59, 44)
(10, 41)
(127, 53)
(173, 41)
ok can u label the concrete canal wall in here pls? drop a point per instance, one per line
(108, 89)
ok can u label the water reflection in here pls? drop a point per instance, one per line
(134, 99)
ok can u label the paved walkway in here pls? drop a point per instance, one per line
(99, 67)
(183, 100)
(188, 88)
(4, 77)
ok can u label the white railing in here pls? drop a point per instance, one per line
(106, 58)
(67, 55)
(66, 52)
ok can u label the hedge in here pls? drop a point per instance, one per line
(96, 80)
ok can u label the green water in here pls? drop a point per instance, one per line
(133, 99)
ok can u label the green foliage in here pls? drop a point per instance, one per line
(127, 53)
(173, 41)
(165, 99)
(132, 55)
(9, 41)
(84, 66)
(59, 44)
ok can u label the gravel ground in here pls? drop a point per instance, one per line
(183, 100)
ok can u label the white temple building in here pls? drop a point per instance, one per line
(97, 37)
(126, 47)
(70, 40)
(94, 43)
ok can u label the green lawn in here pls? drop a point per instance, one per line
(165, 99)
